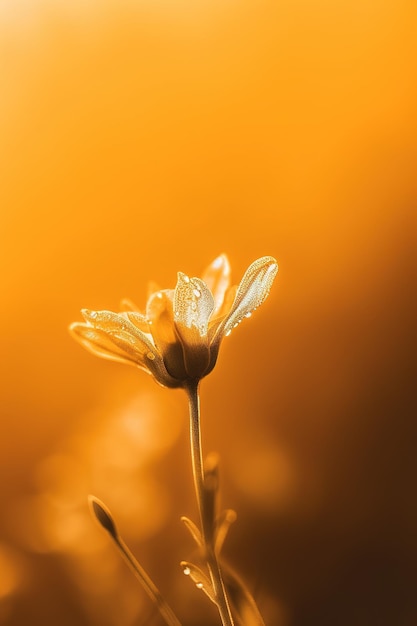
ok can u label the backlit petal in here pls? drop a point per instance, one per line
(128, 305)
(217, 278)
(139, 320)
(252, 291)
(123, 347)
(161, 317)
(118, 325)
(193, 303)
(195, 350)
(102, 344)
(121, 331)
(219, 316)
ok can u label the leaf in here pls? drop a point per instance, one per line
(199, 578)
(224, 521)
(244, 608)
(194, 531)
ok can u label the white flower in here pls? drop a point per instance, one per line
(177, 340)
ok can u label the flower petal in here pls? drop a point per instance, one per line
(195, 351)
(132, 341)
(119, 325)
(159, 309)
(123, 350)
(252, 291)
(161, 323)
(139, 320)
(102, 344)
(193, 303)
(128, 305)
(217, 278)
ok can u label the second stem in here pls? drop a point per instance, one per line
(198, 473)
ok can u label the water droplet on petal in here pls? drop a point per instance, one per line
(197, 293)
(187, 571)
(186, 278)
(227, 333)
(199, 585)
(151, 356)
(248, 314)
(93, 314)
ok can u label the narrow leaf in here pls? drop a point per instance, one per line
(224, 521)
(243, 605)
(194, 531)
(199, 578)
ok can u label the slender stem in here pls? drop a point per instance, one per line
(198, 473)
(148, 585)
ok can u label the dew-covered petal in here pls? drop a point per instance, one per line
(139, 320)
(102, 344)
(252, 291)
(119, 325)
(217, 278)
(123, 348)
(131, 340)
(193, 303)
(121, 332)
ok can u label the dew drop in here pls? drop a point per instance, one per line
(248, 314)
(187, 571)
(199, 585)
(186, 278)
(197, 293)
(227, 333)
(93, 314)
(151, 356)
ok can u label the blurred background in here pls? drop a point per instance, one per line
(140, 138)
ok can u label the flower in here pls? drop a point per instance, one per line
(177, 340)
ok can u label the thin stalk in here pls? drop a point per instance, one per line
(150, 588)
(198, 473)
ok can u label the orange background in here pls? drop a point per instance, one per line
(139, 138)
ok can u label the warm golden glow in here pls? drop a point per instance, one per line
(10, 571)
(140, 138)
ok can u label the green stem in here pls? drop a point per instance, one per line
(198, 473)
